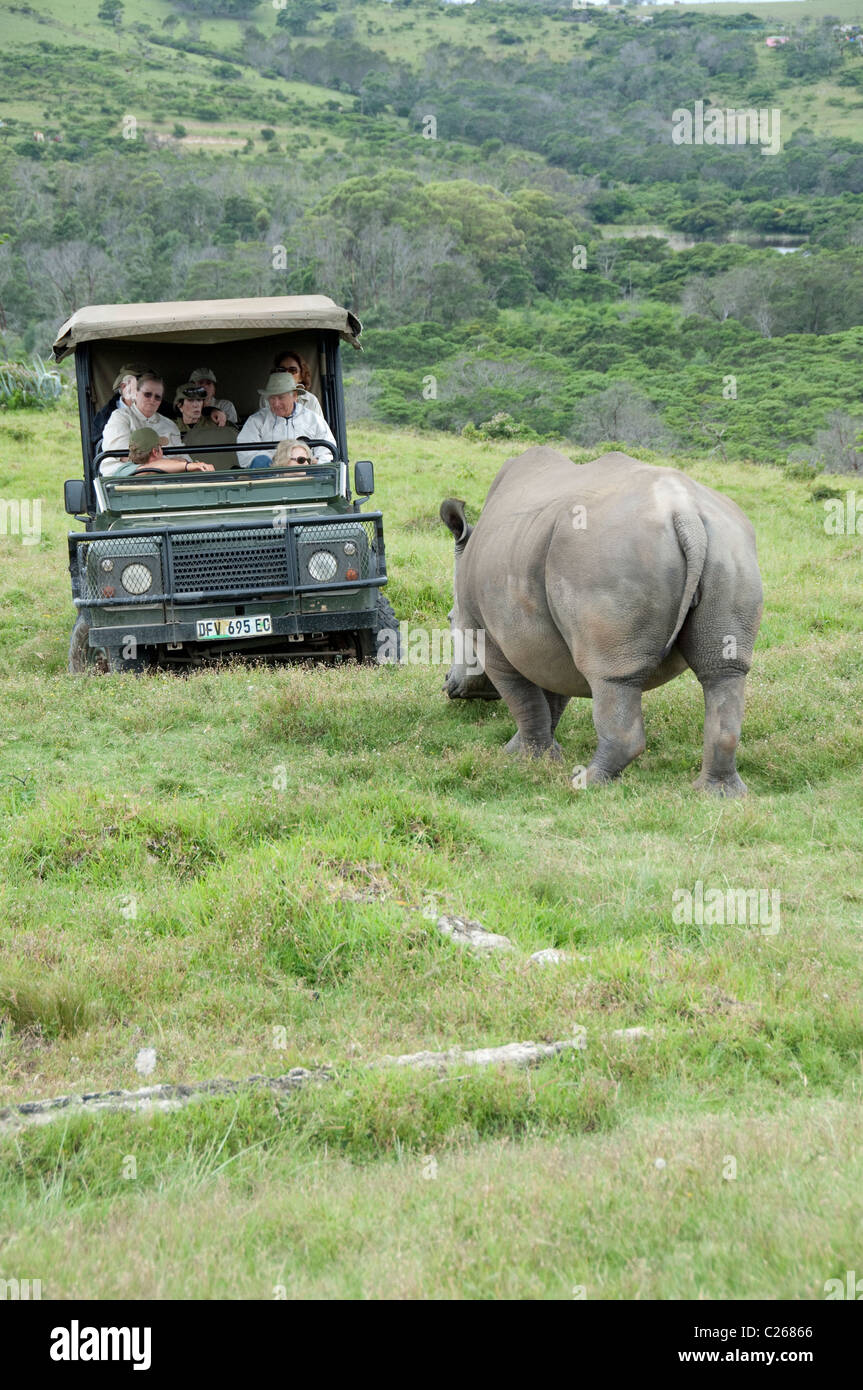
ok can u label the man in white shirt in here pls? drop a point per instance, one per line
(281, 418)
(142, 413)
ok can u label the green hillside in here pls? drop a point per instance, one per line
(475, 168)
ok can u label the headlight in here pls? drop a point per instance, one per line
(322, 566)
(136, 579)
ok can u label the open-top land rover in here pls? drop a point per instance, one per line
(276, 563)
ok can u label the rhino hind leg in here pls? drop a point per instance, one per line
(723, 717)
(619, 725)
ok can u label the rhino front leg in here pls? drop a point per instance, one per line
(556, 705)
(619, 725)
(723, 717)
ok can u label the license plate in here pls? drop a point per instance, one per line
(211, 629)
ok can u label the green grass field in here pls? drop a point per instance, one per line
(227, 868)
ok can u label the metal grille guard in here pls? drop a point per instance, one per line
(163, 540)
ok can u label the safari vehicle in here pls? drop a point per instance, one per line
(180, 569)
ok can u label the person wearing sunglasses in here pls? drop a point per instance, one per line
(291, 452)
(142, 413)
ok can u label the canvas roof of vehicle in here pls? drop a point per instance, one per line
(206, 321)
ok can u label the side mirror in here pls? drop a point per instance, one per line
(364, 477)
(74, 496)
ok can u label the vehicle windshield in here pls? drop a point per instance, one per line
(237, 485)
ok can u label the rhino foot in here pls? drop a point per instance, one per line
(534, 750)
(598, 777)
(733, 785)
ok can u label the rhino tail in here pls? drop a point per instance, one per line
(692, 539)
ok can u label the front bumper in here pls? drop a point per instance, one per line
(226, 569)
(150, 634)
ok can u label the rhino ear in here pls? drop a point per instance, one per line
(452, 515)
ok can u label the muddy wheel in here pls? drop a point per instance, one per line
(85, 660)
(98, 661)
(389, 650)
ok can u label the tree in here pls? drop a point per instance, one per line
(294, 15)
(836, 448)
(618, 415)
(111, 12)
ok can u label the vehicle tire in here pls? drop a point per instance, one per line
(99, 661)
(85, 660)
(385, 621)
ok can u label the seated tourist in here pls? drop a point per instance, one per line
(291, 452)
(188, 405)
(197, 426)
(291, 361)
(145, 455)
(142, 412)
(282, 418)
(221, 411)
(123, 389)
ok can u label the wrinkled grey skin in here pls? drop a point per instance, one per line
(657, 573)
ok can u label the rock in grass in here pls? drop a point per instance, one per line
(516, 1054)
(465, 932)
(550, 956)
(145, 1062)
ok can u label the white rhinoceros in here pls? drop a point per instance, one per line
(603, 580)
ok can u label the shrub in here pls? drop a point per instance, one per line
(500, 426)
(28, 386)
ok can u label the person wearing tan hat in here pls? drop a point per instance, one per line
(220, 411)
(282, 418)
(145, 455)
(291, 361)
